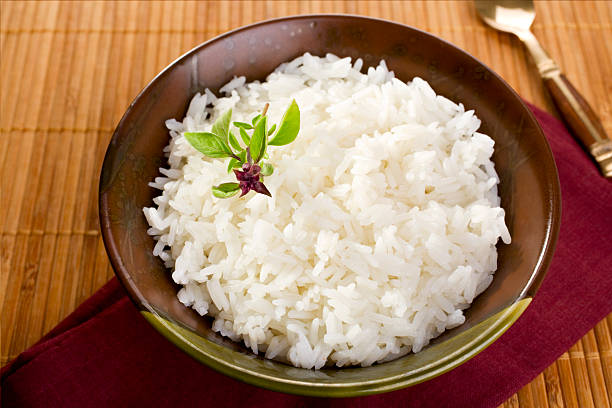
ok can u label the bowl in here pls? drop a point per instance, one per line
(529, 191)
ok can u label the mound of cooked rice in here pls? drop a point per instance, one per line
(381, 227)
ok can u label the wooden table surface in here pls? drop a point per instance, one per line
(70, 69)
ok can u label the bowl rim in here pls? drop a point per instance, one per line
(504, 320)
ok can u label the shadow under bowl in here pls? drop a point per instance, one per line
(529, 191)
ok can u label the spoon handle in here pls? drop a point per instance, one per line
(576, 111)
(582, 120)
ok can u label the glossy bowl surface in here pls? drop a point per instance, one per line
(529, 191)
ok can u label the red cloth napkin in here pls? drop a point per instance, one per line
(106, 354)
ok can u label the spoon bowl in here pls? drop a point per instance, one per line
(510, 16)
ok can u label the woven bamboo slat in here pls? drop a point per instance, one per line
(70, 69)
(566, 377)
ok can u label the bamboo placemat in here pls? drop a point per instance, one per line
(70, 69)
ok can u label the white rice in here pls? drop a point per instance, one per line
(380, 231)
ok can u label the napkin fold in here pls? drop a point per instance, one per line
(106, 354)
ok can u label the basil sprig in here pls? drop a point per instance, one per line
(221, 142)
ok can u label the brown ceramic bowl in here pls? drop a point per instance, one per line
(529, 191)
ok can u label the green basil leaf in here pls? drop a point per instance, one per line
(225, 190)
(208, 144)
(259, 140)
(233, 164)
(255, 119)
(266, 169)
(243, 156)
(272, 129)
(243, 125)
(234, 142)
(245, 136)
(289, 126)
(222, 125)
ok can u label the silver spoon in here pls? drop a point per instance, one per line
(516, 17)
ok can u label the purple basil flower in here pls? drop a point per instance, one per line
(249, 179)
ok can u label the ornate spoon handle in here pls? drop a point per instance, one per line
(576, 111)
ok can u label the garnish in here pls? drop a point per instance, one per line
(246, 162)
